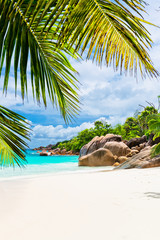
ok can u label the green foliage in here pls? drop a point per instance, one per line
(154, 127)
(101, 129)
(27, 35)
(145, 122)
(132, 128)
(110, 30)
(156, 150)
(119, 130)
(13, 129)
(148, 111)
(58, 144)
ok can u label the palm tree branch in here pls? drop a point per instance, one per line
(43, 55)
(14, 131)
(93, 22)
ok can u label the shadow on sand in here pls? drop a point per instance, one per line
(152, 194)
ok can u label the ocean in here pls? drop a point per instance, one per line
(56, 164)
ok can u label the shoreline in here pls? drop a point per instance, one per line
(114, 205)
(92, 170)
(43, 175)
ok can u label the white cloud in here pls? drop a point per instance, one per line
(44, 135)
(107, 93)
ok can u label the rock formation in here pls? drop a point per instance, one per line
(141, 160)
(98, 142)
(136, 141)
(44, 153)
(122, 159)
(100, 157)
(111, 151)
(118, 148)
(57, 151)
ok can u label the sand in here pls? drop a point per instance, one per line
(114, 205)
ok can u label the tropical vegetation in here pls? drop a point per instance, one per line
(143, 123)
(154, 126)
(38, 37)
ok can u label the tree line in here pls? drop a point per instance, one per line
(142, 123)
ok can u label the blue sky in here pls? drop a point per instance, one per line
(104, 95)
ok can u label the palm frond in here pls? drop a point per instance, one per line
(155, 116)
(23, 35)
(43, 32)
(108, 30)
(14, 130)
(154, 123)
(154, 127)
(155, 150)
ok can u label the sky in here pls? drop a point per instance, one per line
(104, 94)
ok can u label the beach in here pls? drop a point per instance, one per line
(111, 205)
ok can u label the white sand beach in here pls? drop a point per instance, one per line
(114, 205)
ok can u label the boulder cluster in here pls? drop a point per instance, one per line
(57, 151)
(49, 151)
(111, 150)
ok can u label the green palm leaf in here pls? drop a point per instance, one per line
(154, 123)
(154, 127)
(47, 30)
(108, 30)
(155, 150)
(22, 35)
(13, 129)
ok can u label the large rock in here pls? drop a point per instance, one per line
(85, 148)
(39, 148)
(63, 152)
(57, 151)
(122, 159)
(98, 142)
(95, 145)
(52, 153)
(44, 153)
(109, 138)
(117, 148)
(136, 141)
(100, 157)
(141, 160)
(70, 153)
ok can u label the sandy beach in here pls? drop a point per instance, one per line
(112, 205)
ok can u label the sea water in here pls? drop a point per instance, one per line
(55, 164)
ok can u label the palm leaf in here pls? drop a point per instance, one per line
(154, 127)
(43, 32)
(108, 30)
(154, 123)
(155, 150)
(22, 35)
(13, 129)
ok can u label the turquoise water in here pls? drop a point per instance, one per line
(46, 165)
